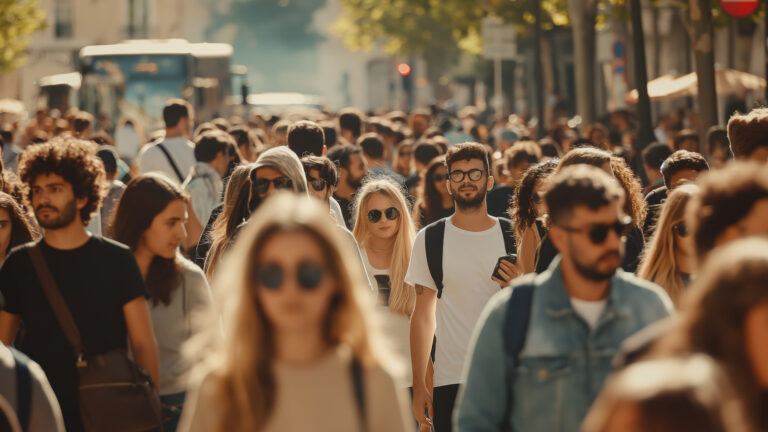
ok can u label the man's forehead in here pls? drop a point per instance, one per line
(465, 164)
(48, 179)
(607, 213)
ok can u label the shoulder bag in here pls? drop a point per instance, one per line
(115, 394)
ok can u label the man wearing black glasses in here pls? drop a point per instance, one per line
(454, 270)
(544, 349)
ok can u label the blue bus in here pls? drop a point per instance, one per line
(135, 78)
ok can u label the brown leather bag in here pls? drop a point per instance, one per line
(115, 394)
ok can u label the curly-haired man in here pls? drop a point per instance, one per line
(98, 279)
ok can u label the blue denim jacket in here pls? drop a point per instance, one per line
(563, 364)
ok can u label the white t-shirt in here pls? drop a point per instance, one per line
(152, 159)
(589, 310)
(468, 262)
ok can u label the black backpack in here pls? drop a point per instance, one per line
(434, 236)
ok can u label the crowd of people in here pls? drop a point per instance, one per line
(386, 271)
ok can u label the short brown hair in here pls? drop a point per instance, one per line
(683, 135)
(580, 185)
(585, 155)
(467, 151)
(522, 151)
(682, 160)
(73, 159)
(727, 196)
(747, 132)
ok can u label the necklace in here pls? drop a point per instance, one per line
(378, 250)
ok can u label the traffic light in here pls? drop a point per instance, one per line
(404, 69)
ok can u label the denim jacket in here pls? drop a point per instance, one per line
(563, 364)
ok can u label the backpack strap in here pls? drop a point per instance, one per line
(515, 331)
(171, 161)
(508, 231)
(23, 388)
(434, 236)
(359, 387)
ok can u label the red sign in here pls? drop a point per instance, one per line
(404, 69)
(739, 8)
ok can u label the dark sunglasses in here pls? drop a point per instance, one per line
(439, 177)
(261, 185)
(392, 213)
(681, 229)
(317, 184)
(457, 176)
(308, 276)
(405, 153)
(537, 198)
(599, 232)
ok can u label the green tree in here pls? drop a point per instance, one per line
(18, 20)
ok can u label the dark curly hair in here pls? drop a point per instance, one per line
(635, 204)
(74, 160)
(522, 210)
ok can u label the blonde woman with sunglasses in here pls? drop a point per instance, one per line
(670, 256)
(296, 354)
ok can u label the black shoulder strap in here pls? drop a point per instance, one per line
(515, 331)
(507, 230)
(23, 389)
(359, 387)
(171, 161)
(434, 236)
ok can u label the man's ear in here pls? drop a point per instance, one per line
(559, 237)
(490, 184)
(325, 149)
(81, 202)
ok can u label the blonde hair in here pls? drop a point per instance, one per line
(240, 373)
(658, 263)
(402, 298)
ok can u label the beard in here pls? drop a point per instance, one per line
(63, 217)
(473, 201)
(355, 183)
(591, 271)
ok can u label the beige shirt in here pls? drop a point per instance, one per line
(319, 397)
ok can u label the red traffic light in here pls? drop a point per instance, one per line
(404, 69)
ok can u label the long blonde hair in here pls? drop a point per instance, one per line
(241, 370)
(402, 298)
(658, 263)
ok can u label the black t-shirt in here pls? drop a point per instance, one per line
(96, 280)
(205, 242)
(346, 210)
(655, 200)
(498, 200)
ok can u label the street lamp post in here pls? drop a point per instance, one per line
(644, 136)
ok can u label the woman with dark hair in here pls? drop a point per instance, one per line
(150, 219)
(435, 201)
(15, 229)
(527, 211)
(724, 315)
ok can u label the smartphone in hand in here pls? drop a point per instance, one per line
(511, 258)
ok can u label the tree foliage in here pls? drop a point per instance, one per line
(18, 20)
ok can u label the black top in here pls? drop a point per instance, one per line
(346, 211)
(384, 288)
(655, 200)
(498, 200)
(444, 213)
(200, 251)
(95, 280)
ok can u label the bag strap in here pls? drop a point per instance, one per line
(171, 161)
(507, 230)
(359, 387)
(59, 306)
(434, 236)
(23, 389)
(515, 331)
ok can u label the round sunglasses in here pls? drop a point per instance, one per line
(681, 229)
(261, 185)
(391, 213)
(438, 177)
(317, 184)
(597, 233)
(272, 276)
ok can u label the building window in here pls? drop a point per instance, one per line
(63, 16)
(138, 19)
